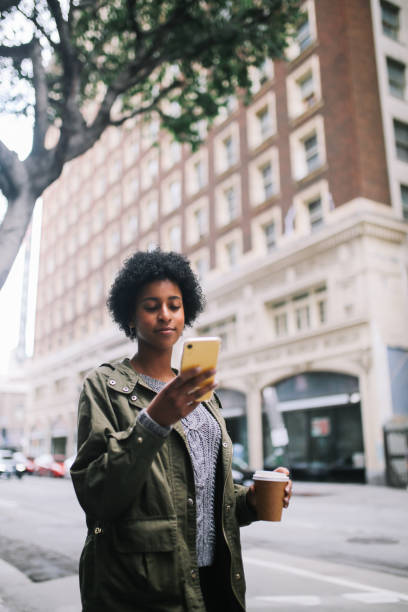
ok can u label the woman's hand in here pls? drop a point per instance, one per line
(251, 496)
(181, 396)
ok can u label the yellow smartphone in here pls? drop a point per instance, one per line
(203, 353)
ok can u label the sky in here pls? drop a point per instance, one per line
(16, 134)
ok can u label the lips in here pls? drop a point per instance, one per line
(165, 330)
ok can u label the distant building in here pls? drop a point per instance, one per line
(12, 410)
(294, 214)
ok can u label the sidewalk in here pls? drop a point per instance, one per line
(19, 594)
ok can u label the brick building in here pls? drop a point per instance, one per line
(294, 214)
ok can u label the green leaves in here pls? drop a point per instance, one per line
(194, 53)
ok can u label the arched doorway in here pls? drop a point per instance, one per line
(318, 415)
(234, 413)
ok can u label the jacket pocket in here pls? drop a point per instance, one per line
(150, 546)
(146, 535)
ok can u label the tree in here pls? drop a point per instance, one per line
(178, 59)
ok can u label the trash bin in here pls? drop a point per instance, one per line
(396, 451)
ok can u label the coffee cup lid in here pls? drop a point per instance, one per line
(270, 475)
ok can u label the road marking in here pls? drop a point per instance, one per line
(299, 600)
(374, 598)
(323, 577)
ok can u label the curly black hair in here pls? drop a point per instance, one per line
(144, 267)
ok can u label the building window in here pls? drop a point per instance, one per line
(390, 19)
(270, 236)
(132, 151)
(199, 174)
(232, 204)
(304, 35)
(153, 169)
(396, 78)
(404, 200)
(133, 225)
(302, 316)
(281, 324)
(175, 194)
(229, 151)
(307, 90)
(175, 238)
(115, 170)
(311, 150)
(175, 151)
(265, 123)
(315, 214)
(153, 129)
(200, 222)
(152, 211)
(322, 310)
(232, 253)
(201, 266)
(401, 139)
(267, 180)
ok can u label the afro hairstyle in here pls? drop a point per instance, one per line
(145, 267)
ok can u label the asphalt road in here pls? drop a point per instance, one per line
(338, 547)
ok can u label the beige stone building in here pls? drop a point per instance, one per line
(293, 213)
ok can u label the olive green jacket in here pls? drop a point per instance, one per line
(137, 490)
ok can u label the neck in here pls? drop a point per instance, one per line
(157, 365)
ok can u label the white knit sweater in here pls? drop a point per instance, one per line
(204, 438)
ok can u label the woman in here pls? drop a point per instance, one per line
(153, 470)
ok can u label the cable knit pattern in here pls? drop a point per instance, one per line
(204, 438)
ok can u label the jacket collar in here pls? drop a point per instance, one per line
(122, 376)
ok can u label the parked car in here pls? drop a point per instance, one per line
(6, 463)
(30, 465)
(20, 464)
(11, 464)
(49, 465)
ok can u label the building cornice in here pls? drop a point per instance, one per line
(346, 229)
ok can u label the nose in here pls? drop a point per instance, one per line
(164, 313)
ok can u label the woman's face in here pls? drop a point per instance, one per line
(159, 314)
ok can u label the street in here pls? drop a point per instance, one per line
(338, 547)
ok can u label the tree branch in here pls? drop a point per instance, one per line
(18, 52)
(10, 167)
(41, 98)
(152, 106)
(6, 5)
(39, 27)
(130, 6)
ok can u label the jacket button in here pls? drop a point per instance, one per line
(193, 574)
(225, 444)
(190, 501)
(227, 507)
(112, 382)
(238, 576)
(139, 439)
(125, 389)
(133, 398)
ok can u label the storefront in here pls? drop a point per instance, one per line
(234, 413)
(312, 423)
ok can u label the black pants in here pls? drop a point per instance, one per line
(215, 591)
